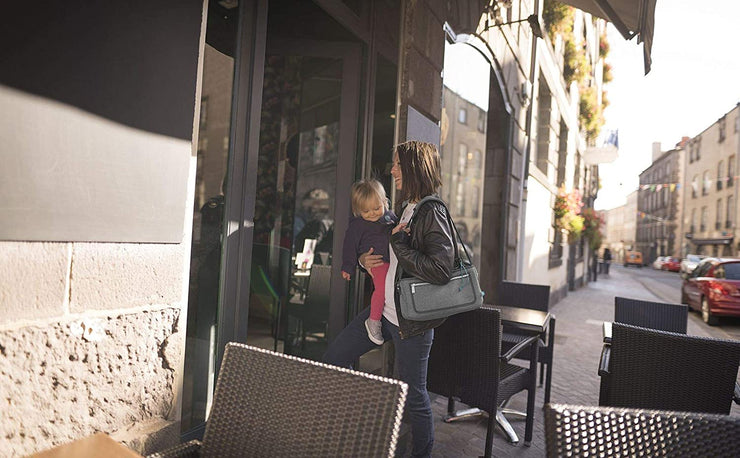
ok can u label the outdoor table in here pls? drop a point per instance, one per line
(97, 445)
(522, 319)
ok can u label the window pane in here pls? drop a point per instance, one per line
(463, 143)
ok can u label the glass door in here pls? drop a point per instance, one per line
(307, 150)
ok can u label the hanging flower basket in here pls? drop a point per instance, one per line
(593, 221)
(567, 211)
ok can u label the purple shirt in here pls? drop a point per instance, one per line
(362, 235)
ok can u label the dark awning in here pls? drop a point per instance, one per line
(464, 15)
(633, 18)
(711, 241)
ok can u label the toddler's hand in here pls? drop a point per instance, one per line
(401, 227)
(346, 276)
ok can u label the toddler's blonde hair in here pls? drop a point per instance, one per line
(365, 190)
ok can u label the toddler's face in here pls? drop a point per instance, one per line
(372, 210)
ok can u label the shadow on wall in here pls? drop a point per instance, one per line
(132, 62)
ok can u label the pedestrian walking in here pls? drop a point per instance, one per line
(607, 260)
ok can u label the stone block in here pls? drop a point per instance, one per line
(113, 276)
(58, 386)
(32, 280)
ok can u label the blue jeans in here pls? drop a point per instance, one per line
(412, 357)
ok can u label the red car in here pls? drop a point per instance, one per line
(671, 263)
(713, 288)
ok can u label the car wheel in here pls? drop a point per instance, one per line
(706, 313)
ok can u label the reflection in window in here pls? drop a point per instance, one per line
(462, 116)
(462, 159)
(214, 127)
(730, 212)
(465, 92)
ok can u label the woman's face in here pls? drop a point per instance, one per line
(396, 172)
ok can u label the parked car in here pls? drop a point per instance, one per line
(633, 258)
(713, 288)
(690, 261)
(658, 263)
(671, 264)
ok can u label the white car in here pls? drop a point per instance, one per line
(689, 262)
(658, 263)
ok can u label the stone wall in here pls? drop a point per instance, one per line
(91, 339)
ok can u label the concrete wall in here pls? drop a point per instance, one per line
(91, 334)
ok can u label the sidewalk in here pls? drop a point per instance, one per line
(575, 379)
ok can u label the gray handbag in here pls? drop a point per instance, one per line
(420, 300)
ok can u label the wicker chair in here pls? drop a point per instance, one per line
(649, 369)
(270, 404)
(654, 315)
(576, 431)
(465, 363)
(535, 297)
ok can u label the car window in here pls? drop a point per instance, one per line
(701, 270)
(732, 271)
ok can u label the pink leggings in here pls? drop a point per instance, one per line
(377, 302)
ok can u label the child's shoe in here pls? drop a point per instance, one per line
(374, 332)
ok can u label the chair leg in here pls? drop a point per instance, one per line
(489, 434)
(551, 353)
(531, 396)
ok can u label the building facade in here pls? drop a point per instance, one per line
(621, 227)
(711, 191)
(168, 190)
(660, 205)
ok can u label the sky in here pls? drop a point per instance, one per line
(694, 80)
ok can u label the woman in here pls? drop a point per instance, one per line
(425, 251)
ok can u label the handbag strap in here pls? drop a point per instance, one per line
(434, 198)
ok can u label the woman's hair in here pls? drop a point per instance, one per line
(420, 169)
(367, 190)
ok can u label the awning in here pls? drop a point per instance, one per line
(632, 18)
(711, 241)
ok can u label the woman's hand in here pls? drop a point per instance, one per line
(401, 227)
(368, 260)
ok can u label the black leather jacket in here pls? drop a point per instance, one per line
(427, 253)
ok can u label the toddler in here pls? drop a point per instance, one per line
(370, 227)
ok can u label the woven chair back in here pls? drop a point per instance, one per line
(654, 315)
(317, 295)
(270, 404)
(576, 431)
(464, 360)
(651, 369)
(524, 295)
